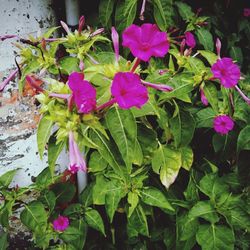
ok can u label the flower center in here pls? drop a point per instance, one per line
(123, 92)
(145, 46)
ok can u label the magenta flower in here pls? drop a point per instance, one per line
(83, 93)
(75, 157)
(223, 124)
(145, 41)
(204, 99)
(128, 90)
(246, 12)
(190, 40)
(226, 71)
(61, 223)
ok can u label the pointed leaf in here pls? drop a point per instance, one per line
(94, 220)
(6, 178)
(205, 210)
(154, 197)
(168, 162)
(43, 134)
(34, 216)
(112, 199)
(243, 142)
(205, 38)
(138, 221)
(105, 11)
(122, 126)
(182, 126)
(215, 237)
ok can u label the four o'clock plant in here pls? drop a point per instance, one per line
(131, 108)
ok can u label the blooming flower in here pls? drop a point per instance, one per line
(145, 41)
(128, 90)
(223, 124)
(75, 157)
(246, 12)
(226, 71)
(190, 40)
(83, 93)
(61, 223)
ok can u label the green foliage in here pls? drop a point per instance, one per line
(159, 176)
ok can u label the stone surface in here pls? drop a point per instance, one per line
(19, 115)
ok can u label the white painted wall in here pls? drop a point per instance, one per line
(18, 116)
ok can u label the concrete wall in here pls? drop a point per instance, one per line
(19, 115)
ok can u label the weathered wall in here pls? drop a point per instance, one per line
(18, 115)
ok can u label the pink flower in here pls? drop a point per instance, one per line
(81, 24)
(128, 90)
(61, 223)
(8, 79)
(145, 41)
(246, 12)
(75, 157)
(226, 71)
(115, 40)
(204, 99)
(190, 40)
(83, 93)
(223, 124)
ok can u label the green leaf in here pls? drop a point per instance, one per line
(122, 126)
(44, 179)
(133, 200)
(211, 237)
(187, 227)
(96, 163)
(69, 64)
(112, 199)
(187, 157)
(211, 94)
(105, 11)
(6, 178)
(73, 209)
(209, 56)
(48, 198)
(106, 150)
(43, 134)
(64, 192)
(236, 54)
(154, 197)
(185, 11)
(125, 14)
(213, 186)
(71, 234)
(148, 140)
(182, 126)
(94, 220)
(4, 241)
(86, 195)
(34, 216)
(243, 142)
(138, 221)
(205, 38)
(159, 15)
(204, 118)
(54, 151)
(81, 225)
(167, 162)
(205, 210)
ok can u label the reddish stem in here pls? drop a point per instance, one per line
(137, 62)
